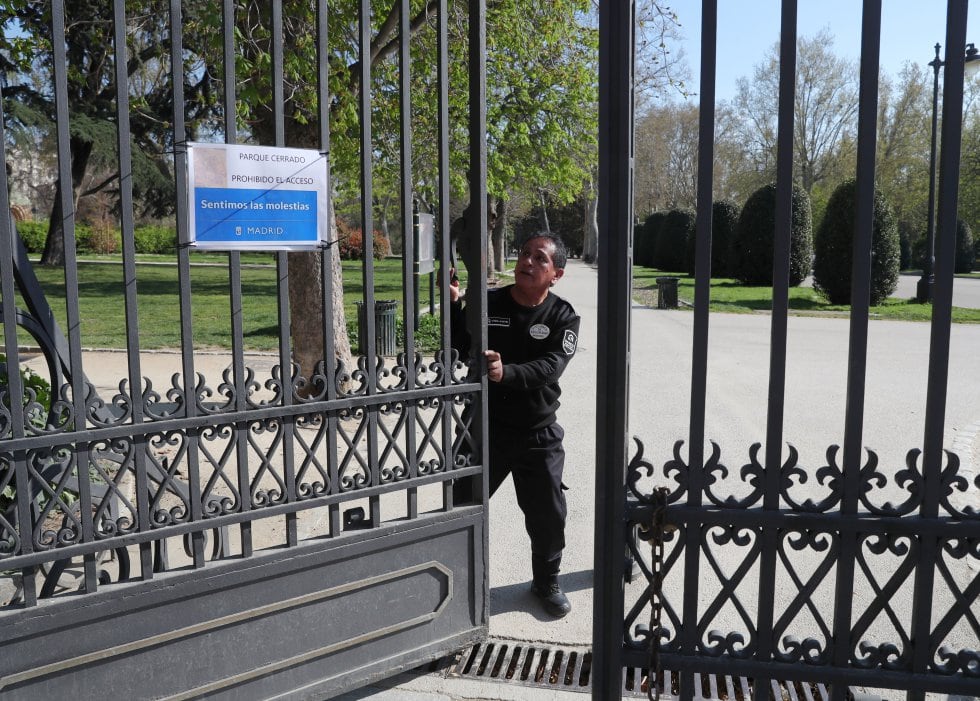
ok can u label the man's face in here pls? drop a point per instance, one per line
(535, 270)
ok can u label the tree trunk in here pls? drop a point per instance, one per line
(590, 250)
(545, 224)
(306, 311)
(385, 226)
(499, 235)
(54, 244)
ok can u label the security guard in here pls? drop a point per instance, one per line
(532, 334)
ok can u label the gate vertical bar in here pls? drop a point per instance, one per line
(327, 254)
(409, 279)
(615, 218)
(15, 384)
(288, 425)
(73, 315)
(777, 355)
(367, 238)
(935, 422)
(477, 275)
(235, 288)
(184, 276)
(143, 499)
(702, 299)
(850, 542)
(445, 253)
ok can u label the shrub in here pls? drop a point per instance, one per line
(645, 239)
(33, 234)
(724, 219)
(752, 246)
(670, 251)
(155, 238)
(83, 239)
(965, 253)
(834, 246)
(103, 238)
(351, 242)
(36, 410)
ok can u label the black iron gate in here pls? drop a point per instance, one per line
(231, 529)
(883, 540)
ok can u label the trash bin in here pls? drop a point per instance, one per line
(385, 314)
(667, 292)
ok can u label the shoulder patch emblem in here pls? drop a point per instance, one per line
(539, 331)
(569, 342)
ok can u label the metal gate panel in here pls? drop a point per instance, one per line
(303, 623)
(889, 545)
(264, 528)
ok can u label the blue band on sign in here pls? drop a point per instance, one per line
(237, 216)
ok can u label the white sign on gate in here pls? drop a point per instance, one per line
(256, 197)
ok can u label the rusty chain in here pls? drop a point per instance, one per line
(655, 589)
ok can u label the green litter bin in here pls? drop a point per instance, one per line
(667, 292)
(385, 315)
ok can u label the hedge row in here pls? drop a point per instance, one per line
(148, 239)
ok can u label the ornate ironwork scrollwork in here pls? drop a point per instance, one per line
(791, 475)
(57, 522)
(99, 412)
(354, 470)
(807, 650)
(312, 477)
(267, 486)
(751, 473)
(214, 500)
(168, 452)
(392, 450)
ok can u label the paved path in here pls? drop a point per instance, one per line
(966, 291)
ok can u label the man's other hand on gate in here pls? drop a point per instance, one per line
(454, 292)
(495, 366)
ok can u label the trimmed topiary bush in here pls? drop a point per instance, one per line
(724, 220)
(645, 239)
(834, 245)
(752, 246)
(670, 251)
(965, 252)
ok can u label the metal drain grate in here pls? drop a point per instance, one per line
(723, 687)
(524, 663)
(570, 669)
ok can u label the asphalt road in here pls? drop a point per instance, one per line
(966, 291)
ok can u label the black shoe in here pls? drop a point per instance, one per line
(552, 598)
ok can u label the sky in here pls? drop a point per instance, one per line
(747, 29)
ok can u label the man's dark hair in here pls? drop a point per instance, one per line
(561, 250)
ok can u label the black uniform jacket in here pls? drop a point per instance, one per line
(535, 345)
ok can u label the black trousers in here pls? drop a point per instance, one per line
(536, 461)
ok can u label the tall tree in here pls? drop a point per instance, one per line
(666, 158)
(26, 47)
(824, 111)
(902, 167)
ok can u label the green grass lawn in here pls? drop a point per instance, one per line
(103, 314)
(729, 296)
